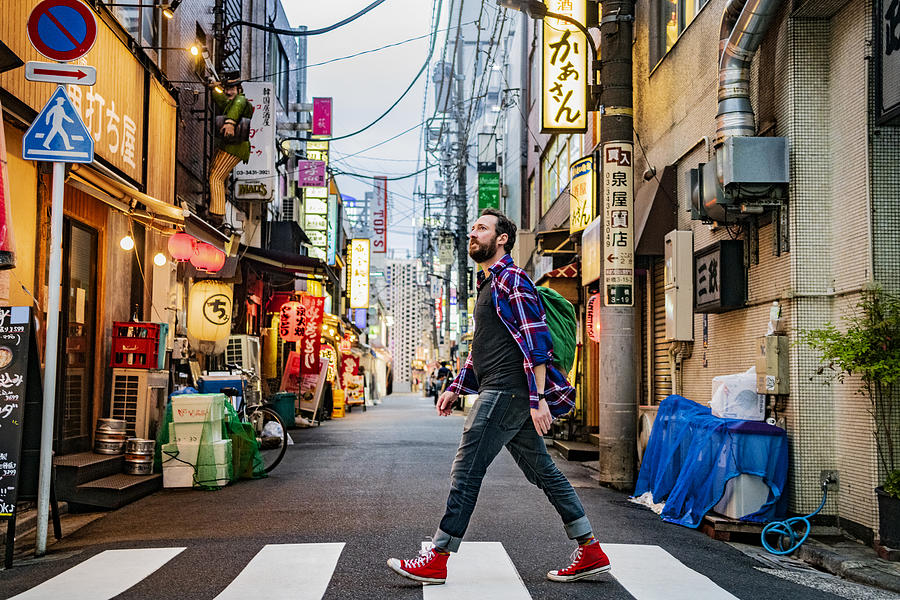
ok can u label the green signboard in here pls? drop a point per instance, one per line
(488, 191)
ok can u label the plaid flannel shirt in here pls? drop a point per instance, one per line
(521, 311)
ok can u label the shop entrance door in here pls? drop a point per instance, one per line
(75, 392)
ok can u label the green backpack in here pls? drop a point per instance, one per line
(562, 324)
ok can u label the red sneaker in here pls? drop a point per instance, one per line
(586, 561)
(428, 567)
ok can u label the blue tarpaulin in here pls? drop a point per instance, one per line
(691, 454)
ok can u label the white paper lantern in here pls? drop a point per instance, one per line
(209, 311)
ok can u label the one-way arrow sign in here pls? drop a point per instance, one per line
(60, 73)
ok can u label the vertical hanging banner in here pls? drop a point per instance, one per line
(379, 216)
(564, 58)
(618, 226)
(581, 194)
(332, 231)
(314, 312)
(256, 179)
(321, 116)
(488, 190)
(358, 270)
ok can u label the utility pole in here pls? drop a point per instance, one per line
(462, 212)
(618, 410)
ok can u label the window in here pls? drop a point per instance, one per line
(141, 21)
(555, 169)
(282, 76)
(668, 20)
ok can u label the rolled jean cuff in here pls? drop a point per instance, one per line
(446, 541)
(578, 528)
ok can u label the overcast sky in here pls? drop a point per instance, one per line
(365, 86)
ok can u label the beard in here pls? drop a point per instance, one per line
(482, 252)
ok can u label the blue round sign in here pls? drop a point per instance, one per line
(62, 30)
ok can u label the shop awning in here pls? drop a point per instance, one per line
(124, 197)
(564, 280)
(655, 205)
(555, 241)
(283, 262)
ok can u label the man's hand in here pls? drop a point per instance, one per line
(445, 403)
(228, 130)
(541, 417)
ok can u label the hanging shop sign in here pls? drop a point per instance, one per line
(209, 311)
(446, 245)
(315, 224)
(379, 215)
(255, 180)
(314, 313)
(592, 252)
(719, 277)
(593, 317)
(317, 150)
(488, 190)
(887, 39)
(582, 192)
(311, 173)
(359, 273)
(618, 226)
(564, 56)
(332, 231)
(292, 322)
(321, 116)
(349, 367)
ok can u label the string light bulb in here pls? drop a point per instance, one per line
(160, 259)
(127, 242)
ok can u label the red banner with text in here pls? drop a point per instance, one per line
(312, 333)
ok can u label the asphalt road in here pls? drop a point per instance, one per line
(376, 482)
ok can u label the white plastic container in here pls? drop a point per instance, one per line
(178, 475)
(744, 495)
(198, 408)
(192, 433)
(734, 397)
(180, 453)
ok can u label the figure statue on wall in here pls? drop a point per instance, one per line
(232, 133)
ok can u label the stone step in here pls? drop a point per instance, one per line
(577, 451)
(114, 491)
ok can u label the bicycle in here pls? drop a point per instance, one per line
(270, 430)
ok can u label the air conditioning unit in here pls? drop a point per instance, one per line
(139, 398)
(243, 350)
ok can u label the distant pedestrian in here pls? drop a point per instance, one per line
(520, 392)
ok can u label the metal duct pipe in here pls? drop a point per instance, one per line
(744, 23)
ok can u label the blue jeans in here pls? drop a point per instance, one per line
(498, 419)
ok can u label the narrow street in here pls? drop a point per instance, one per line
(356, 491)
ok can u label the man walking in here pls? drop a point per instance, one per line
(520, 392)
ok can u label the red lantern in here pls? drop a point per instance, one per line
(292, 322)
(218, 261)
(204, 256)
(593, 317)
(181, 246)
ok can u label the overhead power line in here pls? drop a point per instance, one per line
(303, 33)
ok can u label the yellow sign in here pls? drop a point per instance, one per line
(618, 225)
(581, 194)
(358, 272)
(564, 55)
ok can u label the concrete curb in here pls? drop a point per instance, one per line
(26, 523)
(874, 572)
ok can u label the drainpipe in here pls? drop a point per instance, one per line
(744, 24)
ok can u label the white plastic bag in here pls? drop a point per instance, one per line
(734, 397)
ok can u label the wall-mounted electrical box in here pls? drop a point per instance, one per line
(679, 285)
(772, 365)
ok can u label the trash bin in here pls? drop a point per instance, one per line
(283, 403)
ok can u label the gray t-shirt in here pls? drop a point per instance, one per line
(496, 357)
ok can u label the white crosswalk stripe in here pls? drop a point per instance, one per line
(281, 566)
(651, 573)
(304, 572)
(103, 576)
(479, 570)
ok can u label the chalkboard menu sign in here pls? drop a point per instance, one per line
(15, 337)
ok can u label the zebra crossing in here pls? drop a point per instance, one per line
(304, 572)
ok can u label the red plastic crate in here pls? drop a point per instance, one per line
(139, 350)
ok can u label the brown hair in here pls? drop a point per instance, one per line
(504, 225)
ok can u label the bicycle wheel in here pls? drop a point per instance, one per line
(271, 435)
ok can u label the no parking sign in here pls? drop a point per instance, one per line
(62, 30)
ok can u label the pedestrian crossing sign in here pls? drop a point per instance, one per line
(58, 134)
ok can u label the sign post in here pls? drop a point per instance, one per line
(61, 30)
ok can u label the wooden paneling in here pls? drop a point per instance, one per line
(161, 144)
(113, 109)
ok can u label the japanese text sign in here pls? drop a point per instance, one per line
(564, 58)
(314, 313)
(618, 226)
(582, 191)
(358, 265)
(488, 190)
(261, 166)
(888, 22)
(311, 173)
(15, 326)
(321, 116)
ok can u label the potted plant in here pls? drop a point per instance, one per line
(869, 348)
